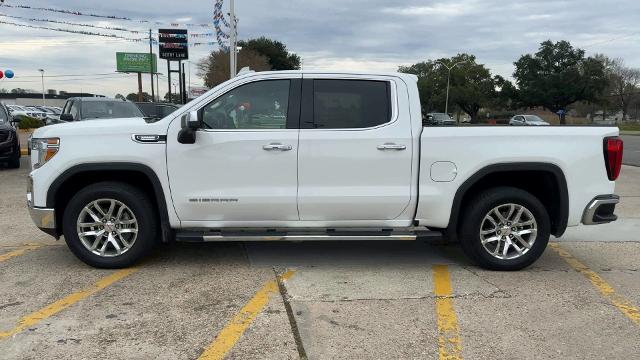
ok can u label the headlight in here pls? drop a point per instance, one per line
(45, 149)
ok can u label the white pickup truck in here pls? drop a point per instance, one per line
(301, 155)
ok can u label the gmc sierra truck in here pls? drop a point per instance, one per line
(302, 155)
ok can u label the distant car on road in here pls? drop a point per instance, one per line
(438, 119)
(533, 120)
(9, 140)
(91, 108)
(156, 110)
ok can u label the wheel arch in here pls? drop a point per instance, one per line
(75, 178)
(551, 178)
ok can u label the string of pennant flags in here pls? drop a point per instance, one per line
(220, 24)
(90, 33)
(102, 16)
(113, 28)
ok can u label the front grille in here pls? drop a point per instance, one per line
(4, 135)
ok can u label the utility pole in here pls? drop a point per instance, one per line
(153, 92)
(233, 61)
(44, 102)
(446, 104)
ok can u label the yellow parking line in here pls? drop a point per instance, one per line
(232, 332)
(56, 307)
(24, 151)
(21, 250)
(449, 343)
(624, 305)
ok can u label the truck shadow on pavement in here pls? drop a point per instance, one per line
(369, 254)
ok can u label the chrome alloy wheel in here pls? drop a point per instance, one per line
(107, 227)
(508, 231)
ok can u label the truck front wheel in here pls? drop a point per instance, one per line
(505, 228)
(110, 225)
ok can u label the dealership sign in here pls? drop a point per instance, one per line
(135, 62)
(174, 44)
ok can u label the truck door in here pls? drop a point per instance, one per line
(354, 161)
(243, 165)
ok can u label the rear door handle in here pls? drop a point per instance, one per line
(391, 146)
(276, 146)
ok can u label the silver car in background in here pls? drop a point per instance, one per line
(532, 120)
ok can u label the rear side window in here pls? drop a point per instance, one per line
(350, 104)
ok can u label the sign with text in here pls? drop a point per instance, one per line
(174, 44)
(135, 62)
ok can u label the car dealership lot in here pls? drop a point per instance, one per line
(320, 300)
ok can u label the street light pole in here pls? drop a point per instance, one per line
(44, 102)
(449, 68)
(233, 41)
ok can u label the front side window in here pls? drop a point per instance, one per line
(256, 105)
(4, 117)
(350, 104)
(75, 110)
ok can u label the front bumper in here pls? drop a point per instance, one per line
(600, 210)
(44, 218)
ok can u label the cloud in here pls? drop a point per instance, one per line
(376, 35)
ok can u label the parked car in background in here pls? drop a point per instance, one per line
(36, 112)
(438, 119)
(156, 110)
(533, 120)
(90, 108)
(52, 115)
(9, 140)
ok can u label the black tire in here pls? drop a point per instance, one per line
(474, 215)
(134, 199)
(15, 162)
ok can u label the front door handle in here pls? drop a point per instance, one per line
(391, 146)
(276, 146)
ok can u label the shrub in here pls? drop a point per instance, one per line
(27, 122)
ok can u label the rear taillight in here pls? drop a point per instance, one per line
(613, 156)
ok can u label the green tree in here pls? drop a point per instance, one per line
(557, 76)
(471, 84)
(214, 69)
(431, 84)
(134, 97)
(175, 98)
(275, 51)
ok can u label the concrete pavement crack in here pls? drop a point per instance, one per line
(292, 320)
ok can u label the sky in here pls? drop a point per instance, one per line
(375, 35)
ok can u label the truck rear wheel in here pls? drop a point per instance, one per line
(110, 225)
(505, 228)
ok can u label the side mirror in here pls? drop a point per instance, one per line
(190, 124)
(191, 120)
(66, 117)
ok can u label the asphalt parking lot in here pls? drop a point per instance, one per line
(631, 149)
(369, 300)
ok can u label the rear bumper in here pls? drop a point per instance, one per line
(600, 210)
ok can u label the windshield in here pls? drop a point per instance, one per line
(533, 118)
(109, 110)
(156, 110)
